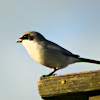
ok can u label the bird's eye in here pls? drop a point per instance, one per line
(25, 37)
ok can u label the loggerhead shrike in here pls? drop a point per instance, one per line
(48, 53)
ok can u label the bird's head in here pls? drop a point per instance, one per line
(30, 36)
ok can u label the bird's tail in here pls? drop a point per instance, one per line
(88, 60)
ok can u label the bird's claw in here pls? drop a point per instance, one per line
(48, 75)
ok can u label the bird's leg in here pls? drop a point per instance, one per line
(54, 70)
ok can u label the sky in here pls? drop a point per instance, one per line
(73, 24)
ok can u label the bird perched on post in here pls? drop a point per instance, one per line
(49, 53)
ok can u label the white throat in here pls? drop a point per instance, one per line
(33, 49)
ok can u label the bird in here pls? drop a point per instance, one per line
(49, 53)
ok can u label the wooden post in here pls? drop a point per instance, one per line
(76, 86)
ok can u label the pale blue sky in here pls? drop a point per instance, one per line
(73, 24)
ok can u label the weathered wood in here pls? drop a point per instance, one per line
(95, 98)
(77, 85)
(74, 96)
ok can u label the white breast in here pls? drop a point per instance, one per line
(33, 49)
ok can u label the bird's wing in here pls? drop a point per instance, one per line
(52, 45)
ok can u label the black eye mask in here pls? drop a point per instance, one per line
(25, 37)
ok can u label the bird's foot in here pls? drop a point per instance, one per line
(48, 75)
